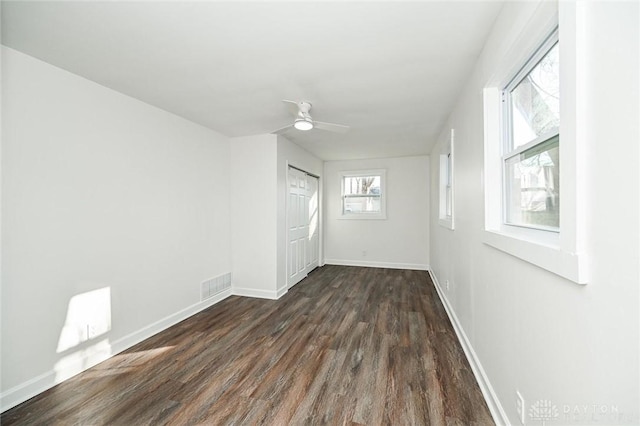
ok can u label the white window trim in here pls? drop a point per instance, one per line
(382, 215)
(447, 153)
(561, 253)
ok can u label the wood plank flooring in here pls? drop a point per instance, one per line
(347, 345)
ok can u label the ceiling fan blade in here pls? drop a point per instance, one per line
(282, 130)
(292, 106)
(331, 127)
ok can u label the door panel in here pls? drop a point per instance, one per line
(313, 221)
(293, 257)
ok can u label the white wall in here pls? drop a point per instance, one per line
(291, 154)
(253, 215)
(401, 240)
(100, 191)
(533, 331)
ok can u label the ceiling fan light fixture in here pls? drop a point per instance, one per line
(303, 124)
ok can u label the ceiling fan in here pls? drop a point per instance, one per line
(304, 122)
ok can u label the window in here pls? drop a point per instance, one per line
(446, 184)
(448, 187)
(363, 194)
(522, 177)
(531, 161)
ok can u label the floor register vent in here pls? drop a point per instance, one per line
(213, 286)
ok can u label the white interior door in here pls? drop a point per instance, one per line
(302, 225)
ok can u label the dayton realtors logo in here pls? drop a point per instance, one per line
(543, 410)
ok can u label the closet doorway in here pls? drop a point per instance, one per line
(303, 244)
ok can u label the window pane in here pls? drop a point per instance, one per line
(361, 204)
(361, 185)
(535, 106)
(362, 195)
(533, 186)
(448, 187)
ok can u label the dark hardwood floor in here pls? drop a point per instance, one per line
(347, 345)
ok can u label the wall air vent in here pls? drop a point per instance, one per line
(213, 286)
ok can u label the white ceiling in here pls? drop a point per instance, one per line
(390, 70)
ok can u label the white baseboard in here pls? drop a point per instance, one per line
(497, 412)
(103, 350)
(254, 292)
(281, 291)
(374, 264)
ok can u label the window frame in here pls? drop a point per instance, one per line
(382, 214)
(446, 208)
(507, 140)
(562, 253)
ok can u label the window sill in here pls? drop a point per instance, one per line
(546, 255)
(446, 223)
(363, 217)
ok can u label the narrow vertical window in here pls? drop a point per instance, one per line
(532, 202)
(446, 198)
(448, 210)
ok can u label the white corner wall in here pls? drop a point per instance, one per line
(401, 240)
(253, 215)
(258, 211)
(102, 196)
(531, 330)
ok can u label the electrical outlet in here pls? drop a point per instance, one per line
(91, 331)
(446, 284)
(520, 406)
(364, 253)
